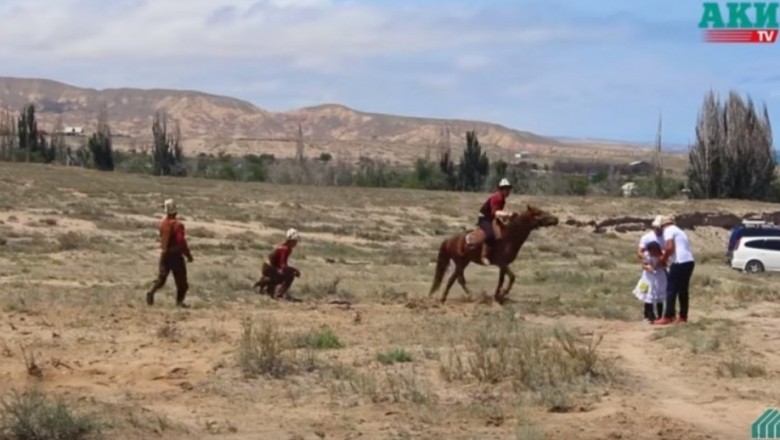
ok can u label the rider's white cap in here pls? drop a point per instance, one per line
(170, 206)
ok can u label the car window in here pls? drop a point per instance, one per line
(754, 232)
(772, 245)
(756, 244)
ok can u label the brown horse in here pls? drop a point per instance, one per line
(515, 232)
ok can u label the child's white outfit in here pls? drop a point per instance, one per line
(651, 287)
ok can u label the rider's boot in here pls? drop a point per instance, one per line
(485, 252)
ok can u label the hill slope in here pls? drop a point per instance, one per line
(211, 123)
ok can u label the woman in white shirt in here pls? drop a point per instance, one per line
(677, 251)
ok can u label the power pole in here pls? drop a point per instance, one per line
(659, 170)
(300, 145)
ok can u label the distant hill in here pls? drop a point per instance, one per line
(606, 142)
(211, 123)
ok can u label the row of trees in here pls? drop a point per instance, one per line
(22, 141)
(733, 157)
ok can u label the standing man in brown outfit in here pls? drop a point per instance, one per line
(174, 248)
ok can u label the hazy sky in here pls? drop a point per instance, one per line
(602, 69)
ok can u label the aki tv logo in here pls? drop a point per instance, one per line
(767, 425)
(740, 22)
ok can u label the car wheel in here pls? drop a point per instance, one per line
(754, 266)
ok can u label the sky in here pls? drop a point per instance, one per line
(601, 69)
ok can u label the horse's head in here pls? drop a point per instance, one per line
(538, 218)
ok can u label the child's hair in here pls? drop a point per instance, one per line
(654, 248)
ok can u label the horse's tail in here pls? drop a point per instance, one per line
(442, 263)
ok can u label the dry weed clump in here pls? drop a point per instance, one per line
(71, 240)
(351, 387)
(263, 351)
(126, 224)
(712, 336)
(168, 331)
(149, 422)
(33, 416)
(702, 336)
(739, 365)
(201, 232)
(397, 355)
(553, 365)
(747, 294)
(326, 291)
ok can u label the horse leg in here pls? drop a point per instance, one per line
(501, 275)
(450, 282)
(462, 280)
(511, 276)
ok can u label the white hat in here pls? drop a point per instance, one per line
(504, 183)
(666, 220)
(170, 206)
(292, 234)
(658, 221)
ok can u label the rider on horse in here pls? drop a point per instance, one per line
(277, 274)
(493, 208)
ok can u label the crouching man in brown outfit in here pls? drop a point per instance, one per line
(174, 248)
(278, 276)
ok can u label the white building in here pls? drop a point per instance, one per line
(73, 130)
(628, 189)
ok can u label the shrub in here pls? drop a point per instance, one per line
(393, 356)
(31, 416)
(322, 339)
(261, 352)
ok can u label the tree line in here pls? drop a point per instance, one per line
(733, 157)
(22, 141)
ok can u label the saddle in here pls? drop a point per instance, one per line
(473, 238)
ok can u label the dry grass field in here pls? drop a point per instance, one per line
(568, 358)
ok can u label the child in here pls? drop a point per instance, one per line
(651, 288)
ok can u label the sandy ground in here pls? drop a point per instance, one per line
(78, 251)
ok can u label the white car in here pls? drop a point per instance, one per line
(757, 254)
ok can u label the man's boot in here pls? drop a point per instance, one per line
(281, 291)
(150, 298)
(260, 286)
(180, 295)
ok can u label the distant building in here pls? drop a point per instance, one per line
(522, 155)
(640, 167)
(629, 189)
(73, 131)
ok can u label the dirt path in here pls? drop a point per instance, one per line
(675, 394)
(670, 393)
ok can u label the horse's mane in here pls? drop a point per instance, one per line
(522, 218)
